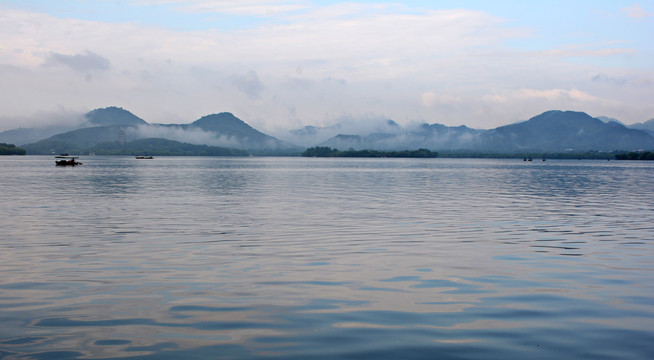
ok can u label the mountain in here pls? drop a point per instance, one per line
(438, 136)
(552, 131)
(246, 137)
(647, 126)
(561, 131)
(163, 147)
(607, 119)
(101, 125)
(30, 135)
(222, 130)
(311, 135)
(113, 115)
(240, 135)
(346, 142)
(76, 141)
(99, 117)
(227, 123)
(434, 136)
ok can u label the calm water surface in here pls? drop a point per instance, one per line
(200, 258)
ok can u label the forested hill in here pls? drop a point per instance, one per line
(551, 131)
(321, 151)
(113, 115)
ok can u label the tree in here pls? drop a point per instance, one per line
(10, 149)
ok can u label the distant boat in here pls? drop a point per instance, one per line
(144, 157)
(66, 160)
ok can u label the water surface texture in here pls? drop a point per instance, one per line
(200, 258)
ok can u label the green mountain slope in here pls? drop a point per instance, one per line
(113, 115)
(244, 136)
(163, 147)
(558, 131)
(76, 141)
(646, 126)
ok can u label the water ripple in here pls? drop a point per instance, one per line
(299, 258)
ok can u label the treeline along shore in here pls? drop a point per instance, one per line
(11, 149)
(323, 151)
(643, 155)
(163, 147)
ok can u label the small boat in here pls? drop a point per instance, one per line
(144, 157)
(66, 160)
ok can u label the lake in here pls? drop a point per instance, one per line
(326, 258)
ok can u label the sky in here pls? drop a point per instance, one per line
(284, 64)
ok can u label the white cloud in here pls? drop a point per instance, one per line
(248, 83)
(247, 8)
(86, 62)
(554, 94)
(60, 117)
(494, 98)
(539, 94)
(192, 136)
(636, 11)
(232, 7)
(580, 52)
(525, 103)
(306, 67)
(432, 99)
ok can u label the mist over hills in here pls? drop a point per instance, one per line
(111, 115)
(607, 119)
(552, 131)
(104, 127)
(560, 131)
(75, 141)
(236, 130)
(434, 136)
(30, 135)
(106, 130)
(163, 147)
(647, 126)
(312, 135)
(222, 129)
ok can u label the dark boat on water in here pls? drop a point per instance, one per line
(65, 160)
(144, 157)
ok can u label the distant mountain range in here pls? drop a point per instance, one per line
(552, 131)
(647, 126)
(108, 130)
(114, 130)
(30, 135)
(560, 131)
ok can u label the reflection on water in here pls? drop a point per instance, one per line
(326, 258)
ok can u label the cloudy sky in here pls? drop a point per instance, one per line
(289, 63)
